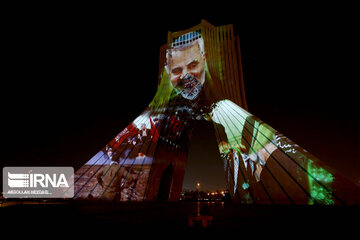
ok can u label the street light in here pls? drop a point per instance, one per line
(198, 190)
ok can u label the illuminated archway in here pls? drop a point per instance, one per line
(200, 78)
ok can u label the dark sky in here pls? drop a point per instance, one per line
(73, 79)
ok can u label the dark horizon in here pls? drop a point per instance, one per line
(69, 79)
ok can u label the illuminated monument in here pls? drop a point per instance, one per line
(200, 78)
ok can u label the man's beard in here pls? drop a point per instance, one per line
(189, 87)
(188, 100)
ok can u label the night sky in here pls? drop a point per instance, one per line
(73, 79)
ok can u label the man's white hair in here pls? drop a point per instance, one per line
(187, 40)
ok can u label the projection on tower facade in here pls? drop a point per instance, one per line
(200, 78)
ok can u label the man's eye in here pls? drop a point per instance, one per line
(193, 65)
(176, 71)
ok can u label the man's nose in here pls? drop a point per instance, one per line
(183, 74)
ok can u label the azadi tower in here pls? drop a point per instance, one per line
(200, 78)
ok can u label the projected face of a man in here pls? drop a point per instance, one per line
(187, 70)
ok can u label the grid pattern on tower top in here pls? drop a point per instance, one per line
(186, 38)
